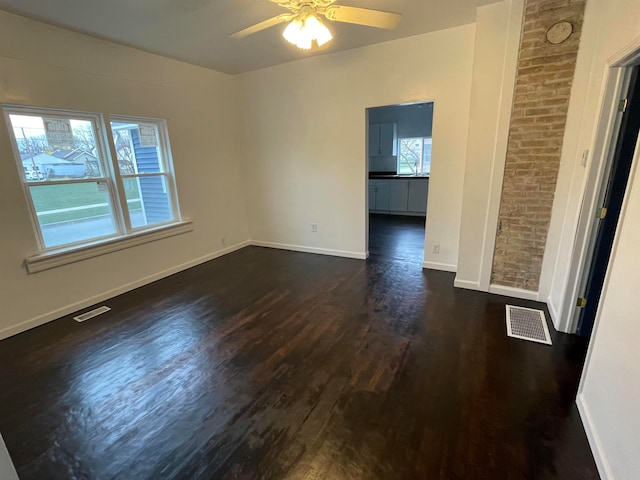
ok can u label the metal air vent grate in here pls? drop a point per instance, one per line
(527, 324)
(92, 313)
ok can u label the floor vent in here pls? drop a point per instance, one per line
(527, 324)
(92, 313)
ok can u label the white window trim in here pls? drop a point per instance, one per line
(65, 256)
(125, 236)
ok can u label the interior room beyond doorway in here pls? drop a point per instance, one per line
(399, 163)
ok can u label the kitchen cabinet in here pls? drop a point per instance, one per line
(398, 195)
(383, 163)
(417, 195)
(388, 138)
(374, 139)
(379, 195)
(383, 139)
(372, 195)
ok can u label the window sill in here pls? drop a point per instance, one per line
(57, 258)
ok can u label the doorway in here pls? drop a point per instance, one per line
(612, 195)
(398, 169)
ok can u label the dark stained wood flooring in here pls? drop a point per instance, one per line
(267, 364)
(397, 237)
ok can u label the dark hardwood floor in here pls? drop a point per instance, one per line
(267, 364)
(396, 237)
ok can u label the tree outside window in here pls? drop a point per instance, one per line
(414, 156)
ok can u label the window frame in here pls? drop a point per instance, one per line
(424, 140)
(124, 233)
(165, 161)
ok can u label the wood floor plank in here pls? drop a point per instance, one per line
(268, 364)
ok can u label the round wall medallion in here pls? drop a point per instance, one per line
(559, 32)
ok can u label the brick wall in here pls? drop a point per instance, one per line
(538, 116)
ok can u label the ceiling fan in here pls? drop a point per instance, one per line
(305, 26)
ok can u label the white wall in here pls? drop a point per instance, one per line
(304, 139)
(46, 66)
(609, 397)
(7, 470)
(497, 42)
(412, 120)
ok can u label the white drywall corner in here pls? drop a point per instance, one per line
(7, 470)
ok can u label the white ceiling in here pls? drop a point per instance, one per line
(196, 31)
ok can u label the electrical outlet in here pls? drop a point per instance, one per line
(314, 227)
(223, 241)
(435, 248)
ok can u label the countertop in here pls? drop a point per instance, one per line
(378, 176)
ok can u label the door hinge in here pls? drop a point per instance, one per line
(602, 212)
(581, 302)
(622, 105)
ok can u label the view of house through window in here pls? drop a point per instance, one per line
(66, 170)
(414, 156)
(143, 172)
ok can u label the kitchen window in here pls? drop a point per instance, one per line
(83, 189)
(414, 156)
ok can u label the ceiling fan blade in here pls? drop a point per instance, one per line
(363, 16)
(261, 26)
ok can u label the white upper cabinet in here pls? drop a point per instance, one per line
(388, 139)
(383, 139)
(374, 139)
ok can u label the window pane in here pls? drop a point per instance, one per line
(147, 200)
(426, 156)
(137, 146)
(72, 212)
(56, 148)
(410, 155)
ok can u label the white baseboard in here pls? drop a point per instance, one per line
(319, 251)
(87, 302)
(445, 267)
(513, 292)
(594, 439)
(466, 284)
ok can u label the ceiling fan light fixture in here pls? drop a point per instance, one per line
(293, 31)
(302, 33)
(317, 30)
(305, 26)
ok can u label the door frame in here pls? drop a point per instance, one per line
(612, 192)
(366, 166)
(616, 87)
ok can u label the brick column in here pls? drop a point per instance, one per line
(538, 117)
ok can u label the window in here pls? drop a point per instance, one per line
(142, 165)
(414, 156)
(77, 192)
